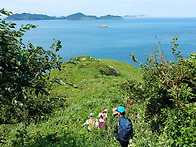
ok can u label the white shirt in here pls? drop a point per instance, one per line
(96, 123)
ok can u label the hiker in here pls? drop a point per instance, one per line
(91, 122)
(114, 120)
(124, 128)
(105, 114)
(115, 113)
(128, 101)
(101, 120)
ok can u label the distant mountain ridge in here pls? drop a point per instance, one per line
(81, 16)
(135, 16)
(76, 16)
(28, 16)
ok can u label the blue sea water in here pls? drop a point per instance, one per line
(120, 39)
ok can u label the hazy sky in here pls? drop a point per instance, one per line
(151, 8)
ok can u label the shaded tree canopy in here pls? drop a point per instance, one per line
(24, 70)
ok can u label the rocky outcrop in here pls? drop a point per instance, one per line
(103, 26)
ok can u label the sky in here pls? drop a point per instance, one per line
(151, 8)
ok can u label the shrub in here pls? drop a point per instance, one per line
(24, 73)
(169, 95)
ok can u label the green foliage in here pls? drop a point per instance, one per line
(169, 95)
(95, 91)
(24, 74)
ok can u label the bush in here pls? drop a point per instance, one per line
(24, 73)
(169, 95)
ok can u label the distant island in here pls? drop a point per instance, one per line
(76, 16)
(28, 16)
(135, 16)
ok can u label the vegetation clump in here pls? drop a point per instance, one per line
(169, 96)
(24, 74)
(88, 61)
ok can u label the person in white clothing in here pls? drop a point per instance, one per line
(91, 122)
(104, 112)
(101, 120)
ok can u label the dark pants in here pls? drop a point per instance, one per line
(124, 144)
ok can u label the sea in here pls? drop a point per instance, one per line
(121, 38)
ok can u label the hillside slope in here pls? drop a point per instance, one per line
(98, 78)
(87, 85)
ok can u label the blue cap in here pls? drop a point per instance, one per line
(121, 109)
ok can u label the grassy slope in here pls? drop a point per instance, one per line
(95, 92)
(93, 87)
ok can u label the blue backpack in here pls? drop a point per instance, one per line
(124, 129)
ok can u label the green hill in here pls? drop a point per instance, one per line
(108, 17)
(87, 85)
(81, 16)
(97, 81)
(28, 16)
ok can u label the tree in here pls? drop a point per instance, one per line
(24, 72)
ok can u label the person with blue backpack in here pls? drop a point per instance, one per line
(124, 128)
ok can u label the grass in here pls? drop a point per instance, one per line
(89, 85)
